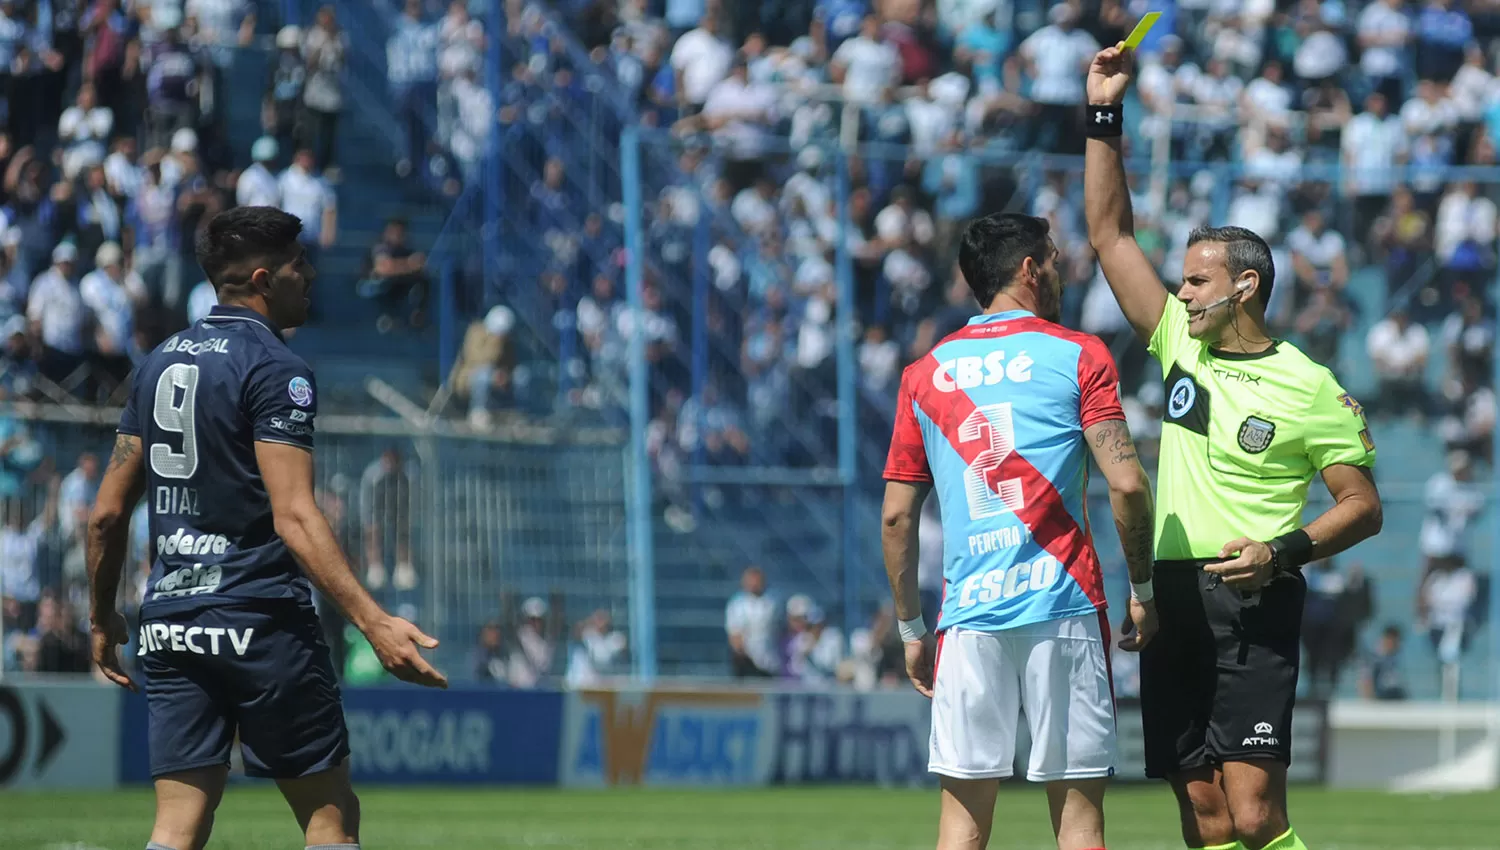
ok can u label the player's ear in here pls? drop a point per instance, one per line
(260, 281)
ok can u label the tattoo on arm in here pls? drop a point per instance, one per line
(1137, 538)
(124, 451)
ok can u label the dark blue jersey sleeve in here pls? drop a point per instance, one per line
(281, 401)
(130, 420)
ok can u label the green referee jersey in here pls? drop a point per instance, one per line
(1242, 437)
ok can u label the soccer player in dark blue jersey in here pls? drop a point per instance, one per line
(218, 434)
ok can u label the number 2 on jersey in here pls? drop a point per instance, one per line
(992, 424)
(177, 417)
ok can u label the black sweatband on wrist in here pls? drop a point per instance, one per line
(1292, 549)
(1104, 122)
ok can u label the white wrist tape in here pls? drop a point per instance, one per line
(912, 630)
(1144, 591)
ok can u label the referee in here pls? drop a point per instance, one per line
(1249, 421)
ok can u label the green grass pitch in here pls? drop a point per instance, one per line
(809, 818)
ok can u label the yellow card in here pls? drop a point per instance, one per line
(1138, 34)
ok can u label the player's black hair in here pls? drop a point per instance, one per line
(993, 249)
(239, 237)
(1243, 251)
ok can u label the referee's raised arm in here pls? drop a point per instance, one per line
(1106, 197)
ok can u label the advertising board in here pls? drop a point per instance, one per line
(59, 734)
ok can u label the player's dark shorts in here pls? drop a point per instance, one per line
(264, 674)
(1219, 680)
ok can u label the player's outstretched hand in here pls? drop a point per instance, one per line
(1109, 76)
(399, 644)
(1140, 625)
(1249, 568)
(107, 638)
(921, 657)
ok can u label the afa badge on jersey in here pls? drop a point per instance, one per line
(1256, 434)
(301, 392)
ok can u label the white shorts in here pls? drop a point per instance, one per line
(1056, 672)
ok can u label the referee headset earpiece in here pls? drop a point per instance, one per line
(1239, 289)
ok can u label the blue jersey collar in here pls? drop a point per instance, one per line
(233, 312)
(1005, 316)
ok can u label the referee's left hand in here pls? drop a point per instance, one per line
(1250, 567)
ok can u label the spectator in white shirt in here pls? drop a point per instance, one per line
(1266, 98)
(1399, 349)
(1465, 230)
(739, 112)
(700, 59)
(122, 169)
(1383, 32)
(1057, 58)
(1473, 87)
(1454, 500)
(867, 65)
(1468, 337)
(308, 197)
(111, 296)
(1320, 55)
(56, 314)
(597, 653)
(1318, 255)
(1374, 144)
(879, 361)
(1471, 424)
(750, 623)
(1445, 604)
(82, 131)
(257, 186)
(76, 496)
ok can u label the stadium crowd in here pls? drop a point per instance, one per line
(1328, 127)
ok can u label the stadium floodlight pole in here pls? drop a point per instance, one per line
(638, 502)
(847, 433)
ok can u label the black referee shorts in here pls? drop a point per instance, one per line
(1219, 680)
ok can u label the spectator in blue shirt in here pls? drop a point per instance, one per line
(411, 64)
(1383, 679)
(1442, 34)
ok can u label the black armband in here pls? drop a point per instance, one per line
(1290, 550)
(1104, 122)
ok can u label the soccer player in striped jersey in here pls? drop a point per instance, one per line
(1001, 419)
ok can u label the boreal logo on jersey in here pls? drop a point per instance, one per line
(1256, 434)
(300, 389)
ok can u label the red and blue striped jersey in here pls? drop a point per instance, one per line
(994, 418)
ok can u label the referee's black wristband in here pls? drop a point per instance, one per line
(1104, 122)
(1292, 549)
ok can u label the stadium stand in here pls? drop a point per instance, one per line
(1359, 137)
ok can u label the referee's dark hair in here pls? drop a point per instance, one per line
(1243, 251)
(238, 241)
(993, 249)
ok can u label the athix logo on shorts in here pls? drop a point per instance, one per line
(301, 391)
(1263, 736)
(1184, 393)
(161, 637)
